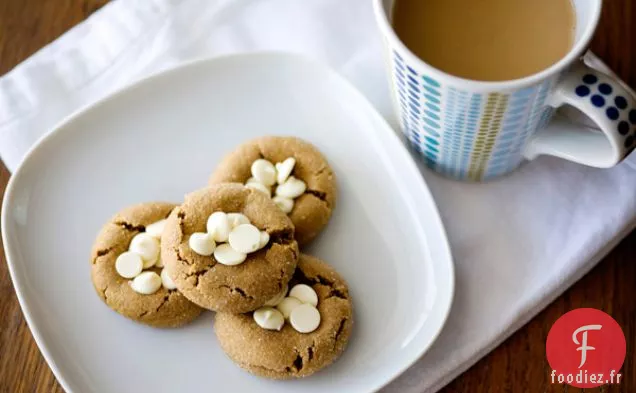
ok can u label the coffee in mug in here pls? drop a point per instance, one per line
(486, 40)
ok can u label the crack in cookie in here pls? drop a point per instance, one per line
(165, 300)
(336, 293)
(238, 290)
(310, 351)
(180, 257)
(196, 274)
(104, 294)
(318, 194)
(283, 237)
(104, 251)
(242, 293)
(301, 277)
(339, 331)
(333, 291)
(130, 227)
(101, 253)
(298, 363)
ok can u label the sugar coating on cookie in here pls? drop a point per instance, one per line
(288, 353)
(310, 211)
(147, 300)
(239, 284)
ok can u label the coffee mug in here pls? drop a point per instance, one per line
(473, 130)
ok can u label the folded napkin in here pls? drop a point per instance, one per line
(518, 243)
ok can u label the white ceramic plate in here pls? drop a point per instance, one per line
(160, 139)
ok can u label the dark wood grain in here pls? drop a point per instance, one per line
(25, 27)
(518, 365)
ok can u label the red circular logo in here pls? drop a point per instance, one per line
(586, 348)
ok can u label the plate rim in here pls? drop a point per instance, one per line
(61, 126)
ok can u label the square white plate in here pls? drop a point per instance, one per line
(160, 139)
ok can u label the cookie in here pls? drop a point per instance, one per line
(311, 210)
(287, 353)
(213, 285)
(163, 308)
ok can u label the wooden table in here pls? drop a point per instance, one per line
(518, 365)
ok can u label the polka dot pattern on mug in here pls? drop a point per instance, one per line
(620, 102)
(616, 108)
(604, 88)
(582, 91)
(598, 101)
(612, 113)
(590, 79)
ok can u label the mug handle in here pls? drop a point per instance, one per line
(607, 103)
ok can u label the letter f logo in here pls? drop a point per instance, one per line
(584, 347)
(571, 339)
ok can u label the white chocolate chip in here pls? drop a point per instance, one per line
(150, 263)
(129, 264)
(273, 302)
(202, 243)
(305, 318)
(159, 262)
(305, 294)
(147, 247)
(264, 171)
(260, 187)
(218, 226)
(292, 188)
(166, 280)
(284, 169)
(146, 283)
(237, 219)
(252, 180)
(264, 239)
(269, 318)
(156, 228)
(245, 238)
(287, 305)
(226, 255)
(285, 204)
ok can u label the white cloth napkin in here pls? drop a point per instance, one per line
(518, 242)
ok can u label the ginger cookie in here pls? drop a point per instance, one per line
(285, 352)
(229, 248)
(293, 172)
(126, 268)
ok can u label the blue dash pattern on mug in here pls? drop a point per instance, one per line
(466, 135)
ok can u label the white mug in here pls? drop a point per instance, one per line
(474, 130)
